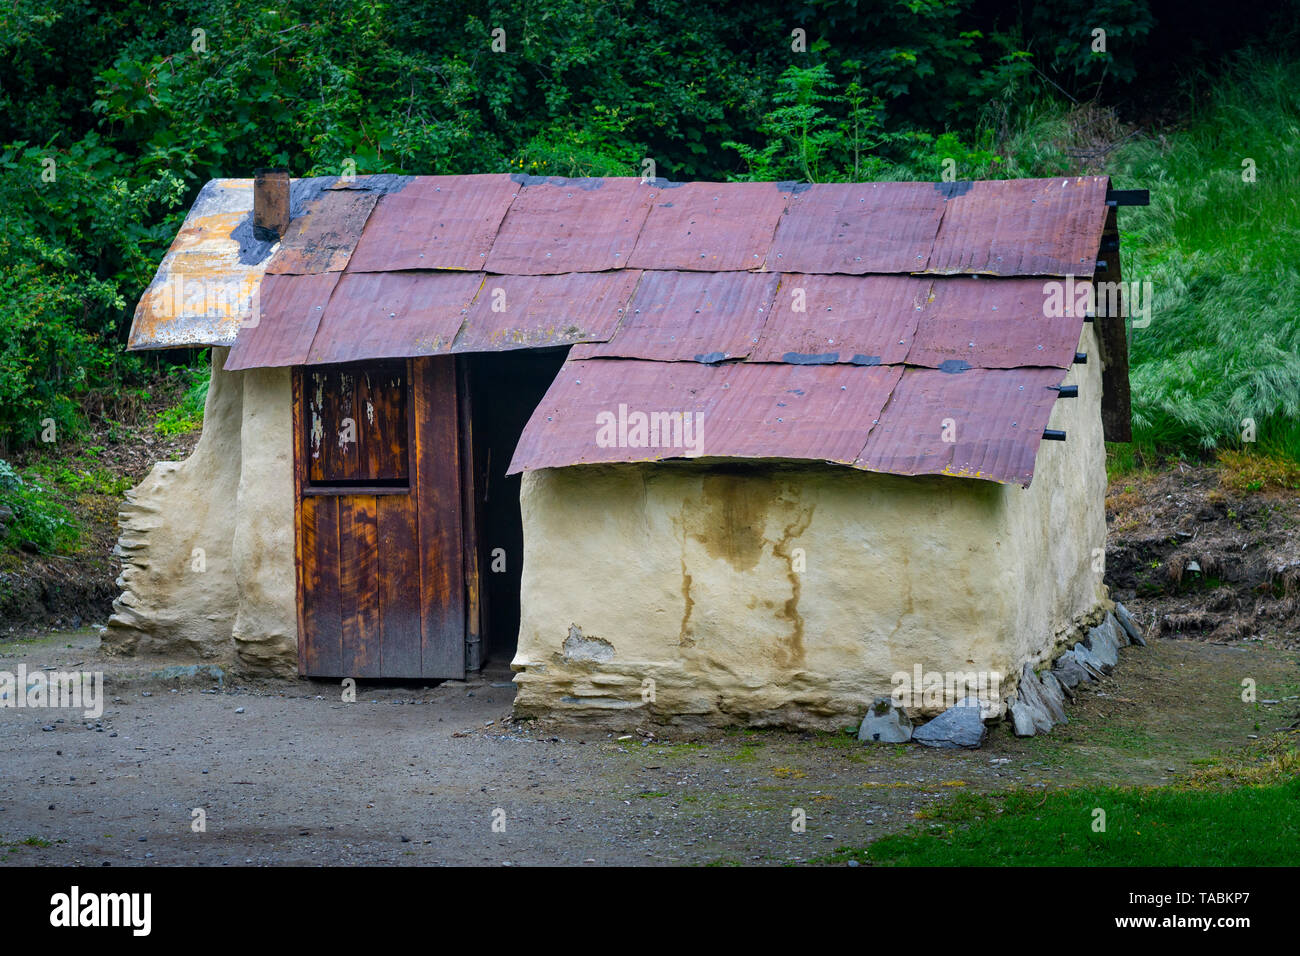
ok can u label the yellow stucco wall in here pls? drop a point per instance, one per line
(748, 592)
(207, 543)
(682, 581)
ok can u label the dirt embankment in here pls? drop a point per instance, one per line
(1191, 558)
(39, 592)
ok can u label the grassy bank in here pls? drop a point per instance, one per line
(1238, 811)
(1221, 254)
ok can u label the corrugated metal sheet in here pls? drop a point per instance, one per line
(691, 316)
(435, 222)
(515, 312)
(982, 423)
(571, 225)
(858, 228)
(997, 323)
(592, 412)
(459, 264)
(1022, 227)
(283, 327)
(207, 283)
(393, 315)
(825, 319)
(711, 227)
(323, 237)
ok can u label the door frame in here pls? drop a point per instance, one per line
(451, 611)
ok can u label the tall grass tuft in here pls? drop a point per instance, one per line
(1223, 257)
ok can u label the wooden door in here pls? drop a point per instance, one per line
(379, 523)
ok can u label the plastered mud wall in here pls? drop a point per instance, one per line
(767, 593)
(207, 543)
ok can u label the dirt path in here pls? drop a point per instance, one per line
(414, 775)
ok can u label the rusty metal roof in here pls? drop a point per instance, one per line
(576, 225)
(514, 312)
(435, 222)
(691, 316)
(392, 315)
(827, 319)
(981, 423)
(711, 227)
(1021, 227)
(995, 323)
(322, 239)
(297, 304)
(611, 410)
(877, 304)
(855, 228)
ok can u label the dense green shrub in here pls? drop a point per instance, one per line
(187, 414)
(138, 103)
(32, 517)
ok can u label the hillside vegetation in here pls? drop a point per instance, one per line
(112, 116)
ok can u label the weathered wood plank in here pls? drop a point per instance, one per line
(438, 476)
(475, 618)
(322, 631)
(359, 586)
(399, 587)
(1112, 333)
(300, 460)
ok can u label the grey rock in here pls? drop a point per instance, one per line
(959, 726)
(1069, 671)
(1037, 706)
(1023, 719)
(1091, 660)
(1053, 696)
(1130, 627)
(885, 723)
(1101, 640)
(191, 670)
(1116, 631)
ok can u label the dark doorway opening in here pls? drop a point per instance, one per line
(504, 389)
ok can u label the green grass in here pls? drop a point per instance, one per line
(1250, 826)
(1223, 344)
(187, 414)
(1236, 809)
(37, 516)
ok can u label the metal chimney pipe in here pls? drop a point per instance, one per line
(270, 204)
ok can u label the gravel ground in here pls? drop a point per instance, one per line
(287, 773)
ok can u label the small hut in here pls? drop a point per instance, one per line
(697, 453)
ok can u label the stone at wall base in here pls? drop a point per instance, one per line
(960, 726)
(885, 723)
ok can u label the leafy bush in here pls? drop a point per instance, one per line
(187, 414)
(33, 515)
(138, 104)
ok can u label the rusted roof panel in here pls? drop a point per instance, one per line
(393, 315)
(283, 326)
(621, 410)
(207, 283)
(323, 237)
(711, 227)
(1021, 227)
(982, 423)
(691, 316)
(999, 323)
(857, 228)
(516, 312)
(825, 319)
(570, 225)
(380, 183)
(435, 222)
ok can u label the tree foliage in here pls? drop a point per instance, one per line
(138, 103)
